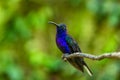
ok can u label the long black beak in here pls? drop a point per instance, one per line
(51, 22)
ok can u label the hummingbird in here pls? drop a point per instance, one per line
(68, 45)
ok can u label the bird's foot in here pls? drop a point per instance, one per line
(64, 58)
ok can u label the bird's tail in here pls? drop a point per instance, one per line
(88, 69)
(80, 64)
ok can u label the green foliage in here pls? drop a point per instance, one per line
(28, 50)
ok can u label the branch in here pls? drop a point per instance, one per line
(115, 55)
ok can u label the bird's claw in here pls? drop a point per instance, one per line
(64, 58)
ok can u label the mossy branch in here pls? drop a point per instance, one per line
(115, 55)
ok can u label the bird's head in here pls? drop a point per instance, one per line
(60, 27)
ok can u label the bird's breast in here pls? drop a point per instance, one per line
(62, 45)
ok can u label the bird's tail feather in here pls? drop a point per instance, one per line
(88, 70)
(80, 65)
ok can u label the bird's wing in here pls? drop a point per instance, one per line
(72, 44)
(77, 61)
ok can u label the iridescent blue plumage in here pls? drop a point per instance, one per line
(68, 46)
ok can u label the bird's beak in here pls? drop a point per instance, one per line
(50, 22)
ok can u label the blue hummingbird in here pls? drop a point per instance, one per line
(68, 45)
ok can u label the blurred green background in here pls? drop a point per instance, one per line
(27, 42)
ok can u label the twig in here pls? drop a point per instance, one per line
(115, 55)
